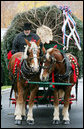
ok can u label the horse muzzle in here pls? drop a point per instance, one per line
(35, 69)
(44, 79)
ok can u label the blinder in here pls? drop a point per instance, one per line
(53, 60)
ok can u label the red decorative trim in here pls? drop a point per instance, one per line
(75, 65)
(9, 55)
(55, 46)
(53, 79)
(33, 40)
(18, 63)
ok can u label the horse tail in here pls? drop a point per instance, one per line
(76, 90)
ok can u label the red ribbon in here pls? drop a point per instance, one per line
(55, 46)
(75, 78)
(33, 40)
(17, 62)
(9, 55)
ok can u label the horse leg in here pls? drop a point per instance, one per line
(65, 112)
(19, 104)
(56, 119)
(30, 119)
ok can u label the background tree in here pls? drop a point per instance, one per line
(10, 8)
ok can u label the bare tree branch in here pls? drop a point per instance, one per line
(46, 15)
(57, 25)
(58, 36)
(34, 14)
(30, 21)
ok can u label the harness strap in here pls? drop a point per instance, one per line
(68, 69)
(67, 65)
(53, 79)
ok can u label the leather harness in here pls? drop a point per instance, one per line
(67, 65)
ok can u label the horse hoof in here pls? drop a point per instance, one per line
(18, 122)
(30, 122)
(56, 122)
(66, 122)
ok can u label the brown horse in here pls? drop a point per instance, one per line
(60, 64)
(24, 66)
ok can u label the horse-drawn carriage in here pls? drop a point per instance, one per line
(44, 86)
(46, 79)
(45, 95)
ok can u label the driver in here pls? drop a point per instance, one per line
(19, 40)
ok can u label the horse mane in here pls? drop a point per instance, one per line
(52, 51)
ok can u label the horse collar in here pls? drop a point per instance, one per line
(26, 70)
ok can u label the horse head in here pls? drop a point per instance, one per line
(31, 53)
(50, 62)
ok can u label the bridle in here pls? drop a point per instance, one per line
(52, 62)
(31, 58)
(26, 69)
(57, 74)
(50, 68)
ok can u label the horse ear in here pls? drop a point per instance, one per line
(38, 42)
(27, 42)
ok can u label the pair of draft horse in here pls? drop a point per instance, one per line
(28, 68)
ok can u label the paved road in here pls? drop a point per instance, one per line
(43, 115)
